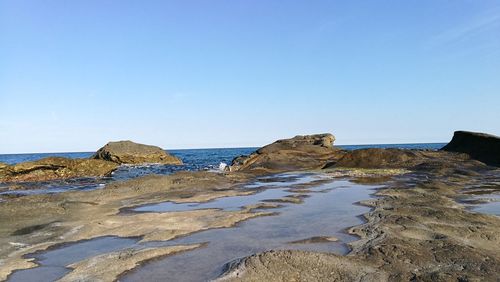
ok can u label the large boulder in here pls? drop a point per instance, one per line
(480, 146)
(128, 152)
(55, 168)
(297, 153)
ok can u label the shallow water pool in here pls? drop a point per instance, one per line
(327, 210)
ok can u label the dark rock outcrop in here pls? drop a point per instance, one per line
(440, 162)
(381, 158)
(128, 152)
(480, 146)
(297, 153)
(55, 168)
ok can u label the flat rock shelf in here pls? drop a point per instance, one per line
(324, 208)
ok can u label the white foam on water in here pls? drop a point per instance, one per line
(222, 166)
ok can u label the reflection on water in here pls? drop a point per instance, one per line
(487, 203)
(285, 180)
(328, 211)
(321, 214)
(53, 263)
(225, 203)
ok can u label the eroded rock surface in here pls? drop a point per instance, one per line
(297, 153)
(480, 146)
(301, 266)
(108, 267)
(55, 168)
(82, 215)
(416, 232)
(128, 152)
(438, 162)
(380, 158)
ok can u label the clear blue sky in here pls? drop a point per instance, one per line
(191, 74)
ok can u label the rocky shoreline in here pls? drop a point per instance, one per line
(416, 230)
(106, 160)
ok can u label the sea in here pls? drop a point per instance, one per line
(194, 160)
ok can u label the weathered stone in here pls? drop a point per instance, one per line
(480, 146)
(440, 162)
(3, 169)
(300, 152)
(380, 158)
(288, 265)
(38, 222)
(56, 168)
(306, 143)
(128, 152)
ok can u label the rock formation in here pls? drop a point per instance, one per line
(128, 152)
(380, 158)
(440, 162)
(480, 146)
(55, 168)
(299, 152)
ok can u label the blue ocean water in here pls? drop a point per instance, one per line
(194, 159)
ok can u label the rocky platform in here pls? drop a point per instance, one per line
(81, 215)
(416, 232)
(417, 229)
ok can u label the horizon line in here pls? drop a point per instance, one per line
(216, 148)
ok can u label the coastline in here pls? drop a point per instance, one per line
(416, 223)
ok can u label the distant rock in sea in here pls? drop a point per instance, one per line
(480, 146)
(128, 152)
(55, 168)
(299, 152)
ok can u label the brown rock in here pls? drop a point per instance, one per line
(287, 265)
(3, 169)
(480, 146)
(56, 168)
(380, 158)
(298, 153)
(306, 143)
(421, 160)
(128, 152)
